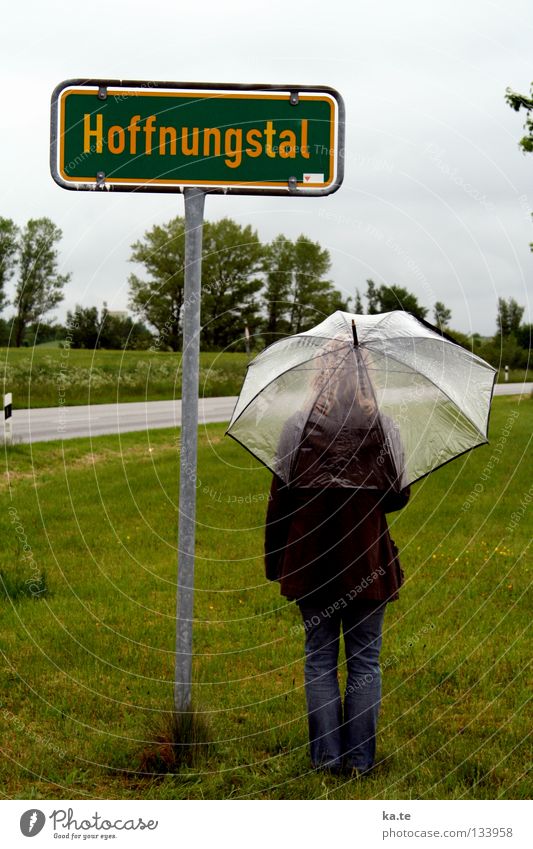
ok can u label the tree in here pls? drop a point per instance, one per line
(441, 315)
(372, 297)
(232, 260)
(524, 335)
(311, 297)
(5, 332)
(517, 102)
(235, 268)
(41, 331)
(8, 255)
(159, 300)
(117, 332)
(398, 298)
(279, 261)
(86, 329)
(297, 296)
(40, 287)
(508, 317)
(311, 262)
(358, 303)
(504, 351)
(83, 327)
(389, 298)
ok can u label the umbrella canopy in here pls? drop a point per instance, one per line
(372, 401)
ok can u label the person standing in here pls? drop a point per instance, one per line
(331, 552)
(328, 545)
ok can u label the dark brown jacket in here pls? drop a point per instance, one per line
(332, 544)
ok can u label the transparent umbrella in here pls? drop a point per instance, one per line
(371, 401)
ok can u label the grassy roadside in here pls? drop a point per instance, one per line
(87, 665)
(54, 377)
(51, 377)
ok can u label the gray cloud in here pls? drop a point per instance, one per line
(433, 170)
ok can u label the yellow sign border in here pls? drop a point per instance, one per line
(198, 93)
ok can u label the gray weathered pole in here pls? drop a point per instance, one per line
(194, 218)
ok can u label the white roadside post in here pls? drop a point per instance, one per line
(8, 419)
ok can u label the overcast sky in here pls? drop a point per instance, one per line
(436, 196)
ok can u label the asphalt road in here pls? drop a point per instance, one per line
(43, 425)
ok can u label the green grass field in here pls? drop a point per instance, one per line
(89, 526)
(50, 377)
(47, 376)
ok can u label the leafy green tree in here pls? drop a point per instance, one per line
(398, 298)
(508, 317)
(504, 351)
(279, 262)
(311, 297)
(323, 304)
(5, 332)
(372, 298)
(159, 299)
(389, 298)
(510, 345)
(441, 315)
(231, 264)
(8, 255)
(40, 286)
(231, 260)
(296, 295)
(41, 331)
(83, 327)
(358, 303)
(86, 329)
(524, 335)
(517, 102)
(121, 332)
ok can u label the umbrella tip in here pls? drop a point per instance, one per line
(354, 331)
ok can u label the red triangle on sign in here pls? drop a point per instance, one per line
(307, 178)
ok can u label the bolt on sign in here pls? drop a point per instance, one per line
(131, 136)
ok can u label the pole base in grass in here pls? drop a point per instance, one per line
(180, 739)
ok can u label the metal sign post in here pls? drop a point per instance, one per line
(136, 136)
(194, 217)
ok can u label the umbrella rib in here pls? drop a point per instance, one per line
(479, 360)
(378, 323)
(227, 432)
(286, 371)
(378, 416)
(474, 425)
(295, 336)
(296, 453)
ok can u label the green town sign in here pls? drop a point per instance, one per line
(131, 136)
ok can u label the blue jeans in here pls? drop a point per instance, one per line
(343, 735)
